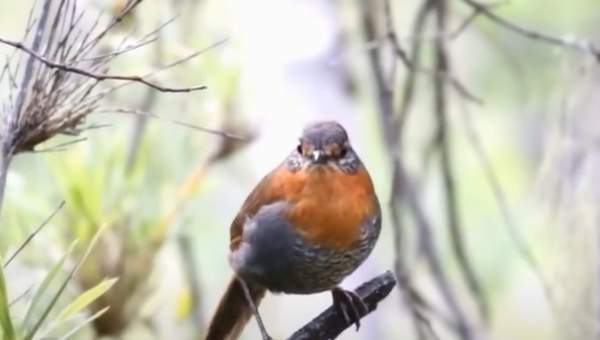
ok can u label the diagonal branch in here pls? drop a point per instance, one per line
(581, 45)
(330, 324)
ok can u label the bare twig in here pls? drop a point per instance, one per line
(427, 244)
(392, 36)
(384, 90)
(403, 275)
(408, 88)
(510, 224)
(471, 18)
(90, 44)
(330, 324)
(178, 122)
(577, 44)
(97, 76)
(61, 146)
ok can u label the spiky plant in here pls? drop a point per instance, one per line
(54, 82)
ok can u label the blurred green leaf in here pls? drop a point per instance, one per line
(84, 323)
(57, 295)
(42, 291)
(83, 300)
(8, 331)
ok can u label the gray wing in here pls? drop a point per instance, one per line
(265, 254)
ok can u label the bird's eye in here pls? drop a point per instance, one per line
(343, 151)
(335, 150)
(299, 148)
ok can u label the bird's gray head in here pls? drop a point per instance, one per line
(325, 143)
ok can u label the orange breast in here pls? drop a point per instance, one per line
(328, 205)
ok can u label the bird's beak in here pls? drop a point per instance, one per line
(318, 156)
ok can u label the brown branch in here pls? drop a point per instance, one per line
(471, 18)
(581, 45)
(330, 323)
(96, 76)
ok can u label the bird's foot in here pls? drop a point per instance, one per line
(263, 331)
(349, 305)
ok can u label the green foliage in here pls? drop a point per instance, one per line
(44, 288)
(86, 298)
(39, 317)
(8, 330)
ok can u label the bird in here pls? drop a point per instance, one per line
(307, 225)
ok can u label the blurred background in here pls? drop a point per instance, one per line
(505, 153)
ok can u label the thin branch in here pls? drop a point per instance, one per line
(400, 267)
(511, 226)
(384, 91)
(471, 18)
(97, 76)
(577, 44)
(189, 125)
(392, 36)
(408, 88)
(433, 260)
(33, 234)
(60, 146)
(116, 20)
(330, 323)
(149, 38)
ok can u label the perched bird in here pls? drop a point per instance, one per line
(307, 225)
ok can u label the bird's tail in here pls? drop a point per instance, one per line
(233, 311)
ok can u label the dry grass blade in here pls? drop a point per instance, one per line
(33, 234)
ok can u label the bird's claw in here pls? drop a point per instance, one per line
(349, 305)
